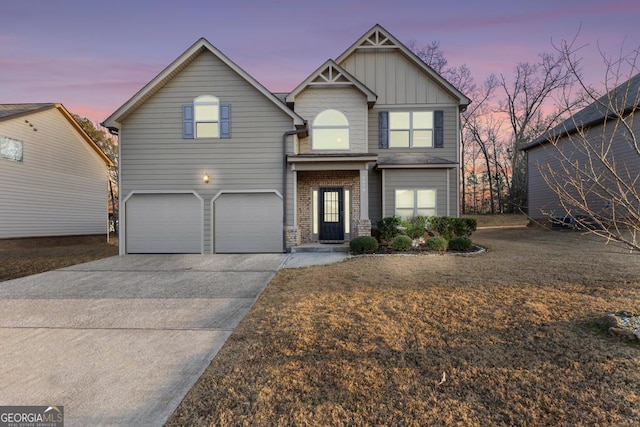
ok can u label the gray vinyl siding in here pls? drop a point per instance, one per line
(408, 179)
(59, 189)
(401, 86)
(395, 79)
(543, 201)
(349, 101)
(154, 156)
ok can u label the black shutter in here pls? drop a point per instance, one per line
(438, 129)
(383, 129)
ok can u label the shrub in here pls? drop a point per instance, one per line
(437, 243)
(363, 245)
(416, 226)
(388, 227)
(462, 243)
(402, 243)
(448, 227)
(463, 227)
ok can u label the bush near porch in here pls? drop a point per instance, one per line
(421, 229)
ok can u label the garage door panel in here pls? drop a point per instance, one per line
(164, 223)
(248, 222)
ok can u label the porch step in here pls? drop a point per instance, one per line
(321, 247)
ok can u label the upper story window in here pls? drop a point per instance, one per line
(330, 131)
(206, 118)
(10, 149)
(408, 129)
(411, 129)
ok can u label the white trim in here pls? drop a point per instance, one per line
(384, 194)
(448, 193)
(123, 213)
(121, 224)
(295, 199)
(370, 95)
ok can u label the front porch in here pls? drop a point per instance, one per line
(331, 200)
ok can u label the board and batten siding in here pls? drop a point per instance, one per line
(349, 101)
(543, 201)
(154, 155)
(60, 187)
(394, 78)
(410, 179)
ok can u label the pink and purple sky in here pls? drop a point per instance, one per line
(92, 56)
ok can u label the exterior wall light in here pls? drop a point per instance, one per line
(205, 178)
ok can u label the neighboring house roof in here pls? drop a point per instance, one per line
(414, 160)
(378, 37)
(623, 99)
(331, 74)
(202, 45)
(12, 111)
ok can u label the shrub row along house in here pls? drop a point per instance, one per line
(53, 177)
(213, 162)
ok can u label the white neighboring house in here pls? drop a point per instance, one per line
(53, 177)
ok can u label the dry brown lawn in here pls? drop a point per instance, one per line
(502, 338)
(23, 257)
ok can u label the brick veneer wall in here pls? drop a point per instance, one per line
(308, 181)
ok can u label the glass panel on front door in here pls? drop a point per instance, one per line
(331, 215)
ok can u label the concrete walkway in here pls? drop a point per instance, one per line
(120, 341)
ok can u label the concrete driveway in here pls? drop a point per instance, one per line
(121, 340)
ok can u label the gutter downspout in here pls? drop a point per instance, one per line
(284, 181)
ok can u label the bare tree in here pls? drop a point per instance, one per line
(594, 157)
(526, 94)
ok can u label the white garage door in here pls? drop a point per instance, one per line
(248, 222)
(163, 223)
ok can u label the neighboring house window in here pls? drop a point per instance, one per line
(206, 118)
(10, 149)
(411, 203)
(411, 129)
(330, 131)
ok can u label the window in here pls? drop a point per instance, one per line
(206, 118)
(330, 131)
(411, 203)
(411, 129)
(10, 149)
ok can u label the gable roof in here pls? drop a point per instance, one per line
(378, 37)
(331, 74)
(621, 100)
(202, 45)
(12, 111)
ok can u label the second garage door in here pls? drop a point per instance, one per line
(248, 222)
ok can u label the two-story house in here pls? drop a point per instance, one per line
(213, 162)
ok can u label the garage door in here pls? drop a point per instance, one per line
(163, 223)
(248, 222)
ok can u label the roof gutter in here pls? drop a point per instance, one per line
(285, 135)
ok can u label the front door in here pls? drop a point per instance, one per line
(331, 216)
